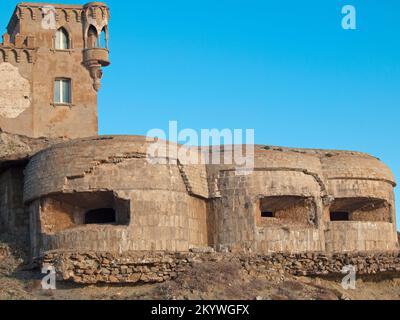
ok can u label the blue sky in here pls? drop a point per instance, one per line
(285, 68)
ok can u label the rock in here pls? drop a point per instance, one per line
(202, 250)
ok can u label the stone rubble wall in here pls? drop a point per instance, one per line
(156, 267)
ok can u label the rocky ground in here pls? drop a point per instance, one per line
(208, 281)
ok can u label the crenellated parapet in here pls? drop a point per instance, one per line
(36, 11)
(22, 51)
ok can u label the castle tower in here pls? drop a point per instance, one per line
(50, 69)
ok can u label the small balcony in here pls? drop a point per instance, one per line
(101, 55)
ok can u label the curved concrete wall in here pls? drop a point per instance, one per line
(163, 216)
(348, 165)
(360, 236)
(359, 176)
(237, 209)
(177, 206)
(323, 175)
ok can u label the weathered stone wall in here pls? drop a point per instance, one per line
(360, 176)
(16, 148)
(237, 212)
(30, 64)
(380, 214)
(300, 213)
(57, 216)
(14, 218)
(324, 177)
(172, 205)
(195, 178)
(163, 215)
(351, 236)
(168, 230)
(353, 165)
(152, 267)
(171, 210)
(354, 188)
(16, 86)
(75, 166)
(14, 92)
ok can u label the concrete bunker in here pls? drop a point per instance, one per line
(360, 209)
(293, 210)
(65, 211)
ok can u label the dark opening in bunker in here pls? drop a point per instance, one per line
(267, 214)
(100, 216)
(340, 216)
(69, 210)
(360, 209)
(286, 209)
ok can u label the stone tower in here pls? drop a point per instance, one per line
(50, 69)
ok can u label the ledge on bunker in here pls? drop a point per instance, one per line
(18, 148)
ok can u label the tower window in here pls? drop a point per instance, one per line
(62, 39)
(62, 91)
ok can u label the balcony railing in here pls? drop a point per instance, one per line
(101, 55)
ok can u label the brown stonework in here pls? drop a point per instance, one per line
(154, 267)
(99, 208)
(165, 214)
(30, 63)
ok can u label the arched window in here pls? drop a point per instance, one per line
(92, 38)
(62, 39)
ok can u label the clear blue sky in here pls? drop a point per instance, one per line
(285, 68)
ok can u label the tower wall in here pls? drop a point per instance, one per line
(30, 64)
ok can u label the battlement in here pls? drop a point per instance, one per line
(30, 11)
